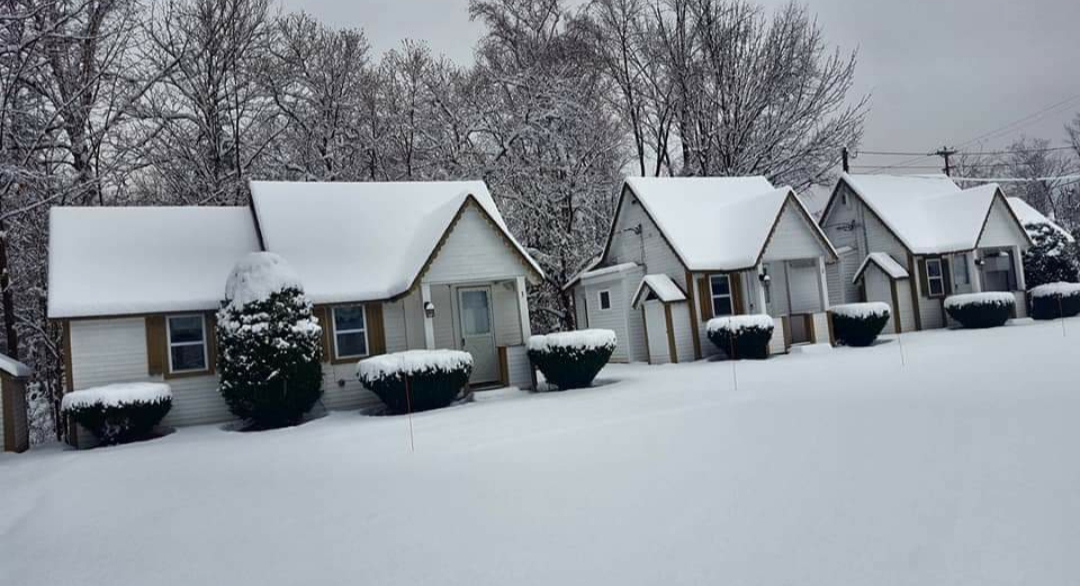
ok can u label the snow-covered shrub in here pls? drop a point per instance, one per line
(858, 324)
(1052, 259)
(416, 380)
(269, 344)
(571, 360)
(1054, 300)
(119, 413)
(742, 336)
(981, 310)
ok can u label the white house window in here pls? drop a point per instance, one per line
(720, 287)
(187, 343)
(350, 332)
(935, 277)
(605, 300)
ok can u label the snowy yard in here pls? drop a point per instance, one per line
(825, 468)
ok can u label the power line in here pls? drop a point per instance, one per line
(1022, 121)
(964, 152)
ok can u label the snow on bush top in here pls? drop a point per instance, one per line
(989, 298)
(1055, 289)
(117, 395)
(258, 275)
(736, 323)
(862, 310)
(412, 362)
(578, 340)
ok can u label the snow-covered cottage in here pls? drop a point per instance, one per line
(911, 241)
(14, 428)
(1029, 215)
(684, 250)
(389, 266)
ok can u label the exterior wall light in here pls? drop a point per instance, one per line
(429, 309)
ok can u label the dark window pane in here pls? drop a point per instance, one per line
(721, 306)
(186, 329)
(349, 318)
(351, 345)
(933, 268)
(936, 287)
(720, 285)
(190, 357)
(605, 300)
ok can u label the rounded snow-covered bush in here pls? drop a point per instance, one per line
(742, 336)
(858, 324)
(119, 413)
(571, 360)
(981, 310)
(1055, 300)
(269, 344)
(416, 380)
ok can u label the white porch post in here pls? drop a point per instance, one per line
(523, 308)
(1018, 262)
(429, 322)
(763, 307)
(823, 282)
(973, 270)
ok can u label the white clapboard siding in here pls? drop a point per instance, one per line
(821, 327)
(659, 349)
(445, 321)
(842, 216)
(196, 401)
(520, 370)
(342, 389)
(777, 344)
(615, 318)
(507, 319)
(680, 321)
(475, 250)
(879, 288)
(793, 237)
(1001, 229)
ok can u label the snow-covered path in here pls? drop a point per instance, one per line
(824, 468)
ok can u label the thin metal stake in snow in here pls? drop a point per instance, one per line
(1061, 312)
(408, 405)
(734, 361)
(903, 361)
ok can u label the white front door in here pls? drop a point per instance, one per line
(478, 333)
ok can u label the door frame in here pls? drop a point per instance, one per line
(460, 341)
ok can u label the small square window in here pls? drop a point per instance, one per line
(350, 332)
(605, 300)
(187, 343)
(935, 278)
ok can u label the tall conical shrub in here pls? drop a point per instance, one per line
(269, 344)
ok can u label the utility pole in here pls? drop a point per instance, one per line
(844, 159)
(945, 153)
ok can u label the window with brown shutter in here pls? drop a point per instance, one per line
(704, 298)
(156, 345)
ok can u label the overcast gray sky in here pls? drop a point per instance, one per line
(939, 72)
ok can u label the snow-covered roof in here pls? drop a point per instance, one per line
(928, 213)
(131, 260)
(885, 262)
(1029, 215)
(14, 367)
(665, 289)
(716, 223)
(364, 241)
(605, 271)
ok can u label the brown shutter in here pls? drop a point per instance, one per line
(924, 286)
(946, 272)
(156, 345)
(735, 284)
(373, 317)
(705, 293)
(211, 342)
(322, 313)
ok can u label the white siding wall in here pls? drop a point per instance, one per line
(474, 251)
(114, 350)
(1001, 229)
(821, 328)
(507, 318)
(776, 343)
(615, 318)
(905, 311)
(342, 390)
(517, 361)
(659, 350)
(446, 322)
(793, 238)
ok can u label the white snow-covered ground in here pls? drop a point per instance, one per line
(826, 468)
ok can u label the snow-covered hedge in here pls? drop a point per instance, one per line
(858, 324)
(269, 344)
(119, 413)
(1055, 300)
(416, 380)
(981, 310)
(741, 336)
(571, 360)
